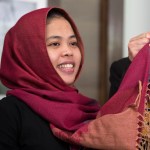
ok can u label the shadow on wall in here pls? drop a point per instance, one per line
(3, 90)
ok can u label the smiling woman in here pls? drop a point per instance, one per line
(62, 47)
(42, 58)
(42, 92)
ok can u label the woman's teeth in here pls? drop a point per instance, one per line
(66, 66)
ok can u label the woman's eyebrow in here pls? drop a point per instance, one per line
(54, 37)
(59, 37)
(72, 36)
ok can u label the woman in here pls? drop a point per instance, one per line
(42, 57)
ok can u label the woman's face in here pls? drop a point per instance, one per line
(63, 49)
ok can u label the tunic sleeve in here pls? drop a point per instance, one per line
(9, 125)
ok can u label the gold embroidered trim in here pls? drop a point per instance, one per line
(144, 130)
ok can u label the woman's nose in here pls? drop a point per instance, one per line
(67, 51)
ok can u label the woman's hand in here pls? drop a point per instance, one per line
(136, 43)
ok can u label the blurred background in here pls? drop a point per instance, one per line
(105, 26)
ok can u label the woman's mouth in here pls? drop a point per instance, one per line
(66, 67)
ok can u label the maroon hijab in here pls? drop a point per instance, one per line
(27, 70)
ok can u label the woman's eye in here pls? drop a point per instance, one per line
(74, 43)
(54, 44)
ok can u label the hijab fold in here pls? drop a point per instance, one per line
(120, 124)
